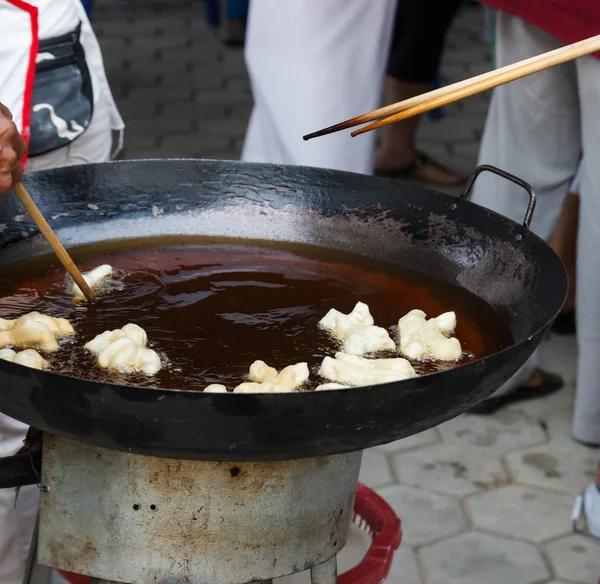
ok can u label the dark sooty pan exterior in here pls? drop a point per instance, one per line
(434, 233)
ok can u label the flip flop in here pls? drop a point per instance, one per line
(411, 170)
(550, 383)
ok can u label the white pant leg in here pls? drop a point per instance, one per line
(533, 131)
(18, 513)
(313, 63)
(575, 187)
(586, 424)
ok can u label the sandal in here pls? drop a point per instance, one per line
(550, 383)
(412, 171)
(565, 324)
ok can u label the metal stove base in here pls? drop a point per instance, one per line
(128, 518)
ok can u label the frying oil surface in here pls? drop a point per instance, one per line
(212, 308)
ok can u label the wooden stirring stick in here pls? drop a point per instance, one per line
(55, 244)
(434, 99)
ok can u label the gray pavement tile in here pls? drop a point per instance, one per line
(452, 469)
(575, 558)
(561, 466)
(375, 470)
(194, 145)
(426, 517)
(504, 432)
(523, 512)
(474, 558)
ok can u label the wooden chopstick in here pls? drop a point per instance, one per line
(55, 244)
(394, 108)
(439, 97)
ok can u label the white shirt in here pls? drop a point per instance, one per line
(22, 24)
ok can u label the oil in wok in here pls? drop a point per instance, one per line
(211, 308)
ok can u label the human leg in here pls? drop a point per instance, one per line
(415, 54)
(564, 243)
(529, 126)
(586, 421)
(312, 64)
(532, 130)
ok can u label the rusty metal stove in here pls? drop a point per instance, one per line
(129, 518)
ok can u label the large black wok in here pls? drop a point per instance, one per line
(497, 259)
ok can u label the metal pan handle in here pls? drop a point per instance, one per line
(511, 178)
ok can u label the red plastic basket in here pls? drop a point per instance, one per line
(372, 514)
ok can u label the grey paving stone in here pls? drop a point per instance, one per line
(474, 558)
(108, 44)
(575, 558)
(174, 64)
(405, 568)
(504, 432)
(457, 128)
(559, 354)
(562, 466)
(375, 470)
(558, 424)
(134, 110)
(221, 154)
(193, 145)
(233, 59)
(416, 441)
(223, 96)
(137, 141)
(194, 80)
(237, 143)
(234, 129)
(159, 125)
(142, 153)
(542, 407)
(240, 111)
(528, 513)
(214, 112)
(426, 517)
(238, 83)
(151, 42)
(164, 93)
(467, 153)
(452, 469)
(116, 28)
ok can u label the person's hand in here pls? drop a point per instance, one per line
(12, 150)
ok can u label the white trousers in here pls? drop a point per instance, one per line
(537, 128)
(313, 63)
(18, 512)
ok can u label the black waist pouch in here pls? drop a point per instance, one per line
(63, 102)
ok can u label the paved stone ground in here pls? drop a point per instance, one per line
(482, 500)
